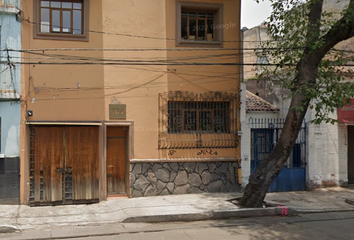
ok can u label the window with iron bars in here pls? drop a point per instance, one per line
(190, 120)
(205, 117)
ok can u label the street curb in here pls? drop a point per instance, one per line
(8, 229)
(212, 215)
(309, 211)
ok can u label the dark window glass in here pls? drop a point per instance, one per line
(184, 28)
(190, 120)
(192, 28)
(174, 121)
(201, 29)
(205, 120)
(204, 117)
(192, 14)
(201, 15)
(197, 25)
(210, 26)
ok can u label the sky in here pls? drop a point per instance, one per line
(253, 14)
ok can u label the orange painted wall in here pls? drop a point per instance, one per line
(52, 92)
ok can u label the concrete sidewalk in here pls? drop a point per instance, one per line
(171, 208)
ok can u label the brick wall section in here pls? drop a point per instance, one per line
(154, 179)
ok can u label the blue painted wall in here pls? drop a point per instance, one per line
(10, 107)
(10, 79)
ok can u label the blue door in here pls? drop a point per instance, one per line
(293, 176)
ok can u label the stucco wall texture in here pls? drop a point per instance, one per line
(119, 30)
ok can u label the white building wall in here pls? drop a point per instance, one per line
(327, 157)
(327, 148)
(246, 135)
(327, 154)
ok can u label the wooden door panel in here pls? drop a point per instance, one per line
(48, 159)
(116, 160)
(116, 165)
(81, 154)
(117, 131)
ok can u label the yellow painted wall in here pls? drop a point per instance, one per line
(58, 97)
(52, 93)
(201, 79)
(136, 86)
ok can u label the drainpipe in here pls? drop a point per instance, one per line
(239, 170)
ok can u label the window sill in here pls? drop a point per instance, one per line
(9, 96)
(9, 9)
(197, 132)
(193, 43)
(63, 37)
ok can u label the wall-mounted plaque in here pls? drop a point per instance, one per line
(117, 111)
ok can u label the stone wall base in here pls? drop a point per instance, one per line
(154, 179)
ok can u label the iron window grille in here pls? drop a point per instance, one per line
(190, 120)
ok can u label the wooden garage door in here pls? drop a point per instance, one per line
(64, 165)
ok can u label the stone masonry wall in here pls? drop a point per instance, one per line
(153, 179)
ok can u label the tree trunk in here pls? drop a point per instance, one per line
(268, 170)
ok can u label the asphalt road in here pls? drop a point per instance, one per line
(339, 225)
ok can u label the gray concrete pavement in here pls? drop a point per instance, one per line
(171, 208)
(312, 226)
(319, 200)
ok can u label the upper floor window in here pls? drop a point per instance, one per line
(66, 19)
(199, 24)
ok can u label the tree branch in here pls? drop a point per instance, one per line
(314, 26)
(341, 30)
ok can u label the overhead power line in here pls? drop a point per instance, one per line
(137, 36)
(149, 49)
(147, 63)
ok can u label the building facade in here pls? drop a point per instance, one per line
(329, 160)
(137, 98)
(10, 102)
